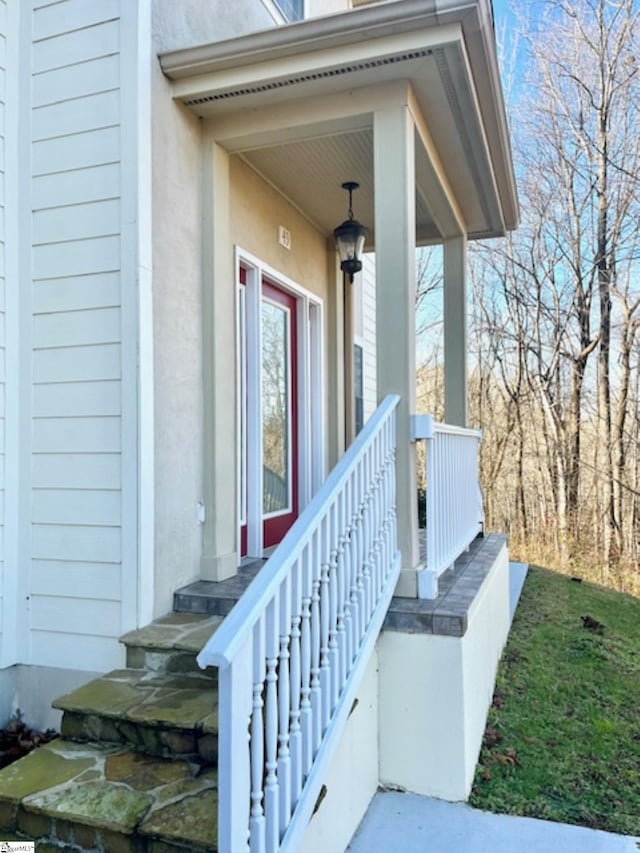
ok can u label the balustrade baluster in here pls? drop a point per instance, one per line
(315, 730)
(334, 663)
(392, 498)
(307, 668)
(378, 514)
(388, 520)
(295, 729)
(284, 706)
(364, 586)
(271, 788)
(256, 743)
(369, 521)
(325, 654)
(343, 613)
(353, 575)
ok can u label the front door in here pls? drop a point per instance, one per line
(279, 413)
(270, 411)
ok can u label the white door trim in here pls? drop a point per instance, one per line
(311, 432)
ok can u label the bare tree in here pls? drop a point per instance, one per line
(555, 338)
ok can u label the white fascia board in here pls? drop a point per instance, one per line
(303, 65)
(303, 37)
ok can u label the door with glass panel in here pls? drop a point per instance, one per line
(268, 413)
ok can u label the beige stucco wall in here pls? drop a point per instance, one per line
(177, 290)
(190, 22)
(257, 210)
(177, 332)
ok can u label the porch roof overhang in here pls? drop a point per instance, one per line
(298, 103)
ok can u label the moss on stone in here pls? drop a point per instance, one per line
(99, 804)
(40, 770)
(190, 819)
(178, 708)
(103, 695)
(144, 773)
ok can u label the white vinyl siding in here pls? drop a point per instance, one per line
(3, 99)
(77, 600)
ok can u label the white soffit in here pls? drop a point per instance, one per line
(244, 80)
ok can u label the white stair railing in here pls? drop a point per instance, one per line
(454, 513)
(292, 651)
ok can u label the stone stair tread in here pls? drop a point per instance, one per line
(187, 632)
(186, 701)
(67, 789)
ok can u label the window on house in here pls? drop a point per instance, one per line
(293, 10)
(358, 388)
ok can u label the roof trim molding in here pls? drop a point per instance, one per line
(339, 30)
(328, 46)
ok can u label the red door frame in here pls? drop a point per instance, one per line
(275, 527)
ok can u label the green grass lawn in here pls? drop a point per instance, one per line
(563, 734)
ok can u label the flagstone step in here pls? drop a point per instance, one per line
(170, 644)
(96, 797)
(162, 714)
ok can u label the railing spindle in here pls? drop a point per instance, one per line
(286, 652)
(271, 788)
(315, 730)
(284, 707)
(295, 729)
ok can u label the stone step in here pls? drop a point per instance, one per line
(94, 797)
(162, 714)
(170, 644)
(216, 598)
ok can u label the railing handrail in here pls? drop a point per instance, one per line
(424, 427)
(222, 647)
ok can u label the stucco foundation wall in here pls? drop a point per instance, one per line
(32, 689)
(489, 621)
(6, 695)
(352, 779)
(434, 695)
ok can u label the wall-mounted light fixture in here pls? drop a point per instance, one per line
(350, 237)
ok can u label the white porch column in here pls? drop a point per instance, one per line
(219, 555)
(455, 330)
(395, 228)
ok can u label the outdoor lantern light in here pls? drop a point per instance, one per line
(350, 237)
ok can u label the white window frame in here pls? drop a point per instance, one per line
(278, 15)
(286, 510)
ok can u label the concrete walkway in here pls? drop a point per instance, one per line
(407, 823)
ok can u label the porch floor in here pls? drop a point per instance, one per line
(445, 615)
(458, 587)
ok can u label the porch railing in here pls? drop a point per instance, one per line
(454, 514)
(292, 651)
